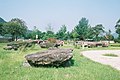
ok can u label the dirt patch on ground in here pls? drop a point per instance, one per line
(97, 55)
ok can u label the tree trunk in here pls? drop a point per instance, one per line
(13, 37)
(16, 38)
(96, 37)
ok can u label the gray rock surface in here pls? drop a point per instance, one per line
(55, 57)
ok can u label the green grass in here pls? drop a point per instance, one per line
(83, 69)
(110, 54)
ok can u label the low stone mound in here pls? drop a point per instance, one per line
(55, 57)
(18, 44)
(48, 45)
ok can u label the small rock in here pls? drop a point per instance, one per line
(26, 64)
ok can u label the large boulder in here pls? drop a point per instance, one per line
(52, 57)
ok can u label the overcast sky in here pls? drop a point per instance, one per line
(40, 13)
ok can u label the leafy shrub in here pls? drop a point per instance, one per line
(117, 41)
(115, 45)
(5, 40)
(65, 42)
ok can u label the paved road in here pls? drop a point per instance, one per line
(97, 55)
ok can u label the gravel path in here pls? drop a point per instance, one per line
(97, 55)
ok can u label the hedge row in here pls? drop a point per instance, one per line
(5, 40)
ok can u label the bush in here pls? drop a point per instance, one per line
(5, 40)
(65, 42)
(117, 41)
(115, 45)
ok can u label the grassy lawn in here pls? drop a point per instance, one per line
(83, 69)
(110, 55)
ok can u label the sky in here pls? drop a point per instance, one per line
(41, 13)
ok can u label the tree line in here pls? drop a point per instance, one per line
(16, 28)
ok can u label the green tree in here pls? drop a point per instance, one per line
(74, 35)
(117, 27)
(44, 37)
(67, 36)
(97, 30)
(61, 34)
(16, 28)
(49, 32)
(82, 29)
(32, 34)
(1, 29)
(109, 36)
(91, 34)
(28, 34)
